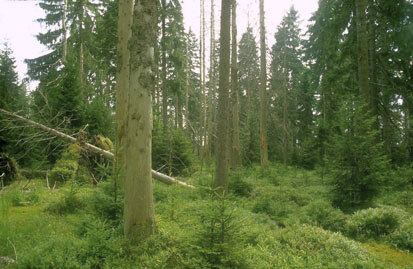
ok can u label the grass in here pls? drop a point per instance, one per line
(275, 223)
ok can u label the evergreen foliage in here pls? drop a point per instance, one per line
(355, 158)
(12, 98)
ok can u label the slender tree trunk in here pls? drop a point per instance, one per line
(221, 171)
(263, 78)
(122, 82)
(163, 56)
(362, 42)
(203, 119)
(211, 93)
(81, 53)
(374, 90)
(409, 115)
(188, 71)
(236, 160)
(64, 53)
(285, 115)
(139, 218)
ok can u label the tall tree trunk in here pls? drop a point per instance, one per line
(363, 51)
(285, 114)
(163, 59)
(409, 114)
(374, 88)
(122, 82)
(64, 28)
(221, 171)
(203, 119)
(263, 79)
(139, 221)
(236, 160)
(188, 71)
(211, 93)
(81, 54)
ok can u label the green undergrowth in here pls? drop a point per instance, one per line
(279, 218)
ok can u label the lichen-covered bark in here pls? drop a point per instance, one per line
(122, 81)
(139, 219)
(221, 171)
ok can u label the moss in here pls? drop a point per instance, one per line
(104, 142)
(69, 167)
(390, 255)
(9, 170)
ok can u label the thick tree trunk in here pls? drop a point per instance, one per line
(236, 160)
(221, 171)
(363, 51)
(122, 82)
(263, 79)
(139, 219)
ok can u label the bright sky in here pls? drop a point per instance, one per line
(18, 26)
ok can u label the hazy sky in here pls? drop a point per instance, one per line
(18, 26)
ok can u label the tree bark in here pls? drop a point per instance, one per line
(81, 53)
(163, 59)
(139, 219)
(203, 114)
(122, 82)
(211, 93)
(64, 29)
(362, 44)
(236, 160)
(374, 88)
(221, 171)
(263, 79)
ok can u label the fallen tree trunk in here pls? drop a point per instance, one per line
(107, 154)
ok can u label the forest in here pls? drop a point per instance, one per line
(147, 145)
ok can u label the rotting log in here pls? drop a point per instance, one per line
(107, 154)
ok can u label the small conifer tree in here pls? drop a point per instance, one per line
(355, 158)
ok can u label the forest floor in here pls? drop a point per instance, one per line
(280, 218)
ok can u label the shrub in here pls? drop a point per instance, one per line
(105, 207)
(238, 185)
(278, 202)
(374, 222)
(304, 246)
(403, 236)
(68, 203)
(99, 243)
(322, 213)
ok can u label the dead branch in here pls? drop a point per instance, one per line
(107, 154)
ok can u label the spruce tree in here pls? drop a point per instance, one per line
(248, 74)
(356, 160)
(286, 72)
